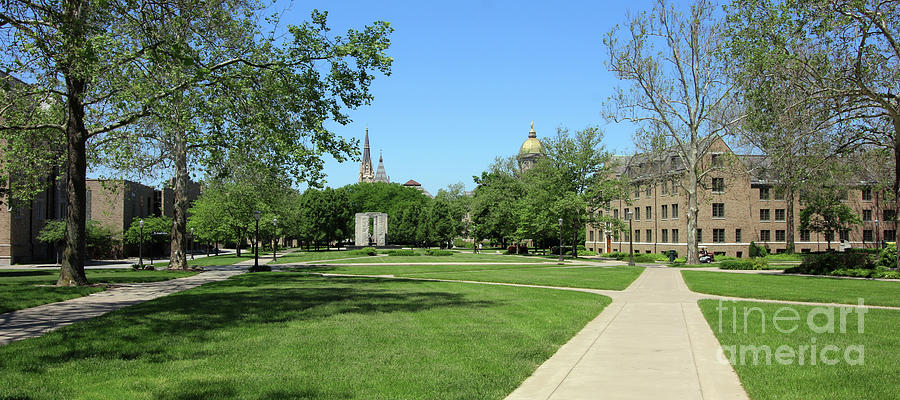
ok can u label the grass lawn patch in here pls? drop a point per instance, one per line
(376, 269)
(796, 288)
(454, 258)
(298, 257)
(21, 289)
(610, 278)
(876, 378)
(291, 335)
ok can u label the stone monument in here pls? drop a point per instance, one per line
(365, 236)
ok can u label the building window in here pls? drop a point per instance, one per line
(779, 194)
(699, 235)
(674, 211)
(716, 160)
(674, 235)
(718, 210)
(649, 190)
(867, 194)
(868, 235)
(637, 213)
(665, 188)
(718, 185)
(764, 215)
(649, 234)
(637, 235)
(867, 215)
(890, 235)
(779, 215)
(665, 236)
(829, 236)
(804, 236)
(737, 235)
(718, 236)
(591, 234)
(888, 215)
(665, 211)
(674, 191)
(779, 235)
(845, 235)
(616, 213)
(637, 192)
(764, 193)
(649, 213)
(765, 235)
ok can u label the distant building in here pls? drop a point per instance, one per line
(366, 172)
(532, 150)
(413, 184)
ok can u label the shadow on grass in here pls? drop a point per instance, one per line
(13, 274)
(148, 331)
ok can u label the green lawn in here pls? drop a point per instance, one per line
(224, 259)
(376, 269)
(20, 288)
(291, 335)
(797, 288)
(316, 256)
(610, 278)
(875, 379)
(455, 258)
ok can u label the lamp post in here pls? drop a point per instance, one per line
(141, 248)
(274, 239)
(192, 243)
(630, 238)
(877, 235)
(256, 242)
(560, 241)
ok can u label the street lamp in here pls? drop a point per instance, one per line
(560, 241)
(630, 238)
(274, 239)
(256, 242)
(192, 243)
(141, 248)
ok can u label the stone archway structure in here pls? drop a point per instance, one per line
(379, 225)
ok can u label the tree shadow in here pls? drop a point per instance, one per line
(144, 331)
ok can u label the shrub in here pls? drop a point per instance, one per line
(887, 275)
(751, 264)
(517, 250)
(462, 243)
(854, 272)
(757, 251)
(825, 263)
(888, 256)
(436, 252)
(586, 253)
(402, 252)
(646, 258)
(365, 251)
(618, 255)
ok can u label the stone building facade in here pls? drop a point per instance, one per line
(737, 205)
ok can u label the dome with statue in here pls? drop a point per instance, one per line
(531, 150)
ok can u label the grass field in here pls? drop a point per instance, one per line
(455, 258)
(876, 378)
(796, 288)
(610, 278)
(291, 335)
(377, 269)
(20, 288)
(298, 256)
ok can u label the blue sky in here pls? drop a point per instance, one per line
(469, 77)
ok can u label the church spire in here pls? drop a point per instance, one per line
(366, 172)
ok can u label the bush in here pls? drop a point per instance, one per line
(825, 263)
(854, 272)
(440, 253)
(365, 251)
(586, 253)
(463, 243)
(752, 264)
(618, 255)
(757, 251)
(513, 250)
(888, 256)
(401, 253)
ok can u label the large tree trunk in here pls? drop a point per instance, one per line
(71, 273)
(575, 241)
(789, 210)
(896, 180)
(693, 256)
(177, 257)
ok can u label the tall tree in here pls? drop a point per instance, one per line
(495, 201)
(678, 92)
(846, 54)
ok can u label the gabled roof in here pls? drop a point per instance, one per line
(412, 183)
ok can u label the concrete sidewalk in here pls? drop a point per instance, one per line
(652, 342)
(36, 321)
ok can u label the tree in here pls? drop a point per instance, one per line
(495, 200)
(448, 209)
(824, 213)
(679, 90)
(155, 232)
(846, 54)
(101, 241)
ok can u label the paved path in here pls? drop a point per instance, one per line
(36, 321)
(652, 342)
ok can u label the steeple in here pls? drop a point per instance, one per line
(366, 172)
(381, 176)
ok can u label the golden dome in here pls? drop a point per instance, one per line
(531, 146)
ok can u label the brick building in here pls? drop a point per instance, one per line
(114, 203)
(737, 205)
